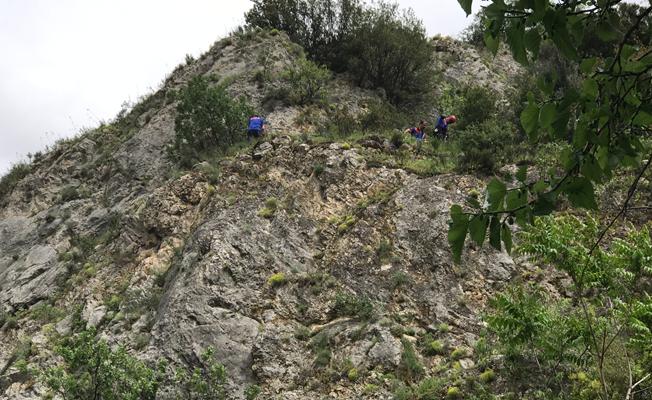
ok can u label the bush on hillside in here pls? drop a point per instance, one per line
(306, 82)
(478, 105)
(390, 50)
(208, 119)
(91, 369)
(16, 174)
(486, 146)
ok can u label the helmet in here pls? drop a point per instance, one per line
(451, 119)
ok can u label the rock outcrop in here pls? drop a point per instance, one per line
(170, 263)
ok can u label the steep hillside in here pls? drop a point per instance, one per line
(314, 268)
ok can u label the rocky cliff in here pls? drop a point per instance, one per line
(298, 260)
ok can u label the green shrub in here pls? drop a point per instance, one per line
(453, 393)
(399, 279)
(306, 82)
(429, 389)
(487, 376)
(435, 347)
(459, 353)
(384, 249)
(271, 205)
(397, 139)
(69, 193)
(478, 106)
(318, 169)
(302, 333)
(204, 383)
(487, 146)
(91, 369)
(9, 181)
(320, 345)
(390, 50)
(352, 374)
(339, 122)
(46, 313)
(354, 306)
(277, 280)
(252, 392)
(382, 116)
(410, 368)
(208, 119)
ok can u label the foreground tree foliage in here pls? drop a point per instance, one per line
(380, 46)
(596, 341)
(598, 344)
(604, 118)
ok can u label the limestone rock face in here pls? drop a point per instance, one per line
(300, 263)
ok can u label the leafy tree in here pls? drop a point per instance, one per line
(391, 51)
(208, 118)
(603, 119)
(378, 45)
(604, 331)
(92, 370)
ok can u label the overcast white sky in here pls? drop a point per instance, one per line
(68, 64)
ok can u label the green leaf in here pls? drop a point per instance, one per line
(533, 41)
(540, 7)
(581, 135)
(588, 64)
(494, 233)
(507, 238)
(496, 194)
(580, 192)
(515, 199)
(457, 230)
(547, 114)
(564, 44)
(529, 119)
(478, 228)
(591, 169)
(516, 41)
(539, 187)
(607, 32)
(643, 119)
(544, 205)
(590, 89)
(466, 6)
(491, 42)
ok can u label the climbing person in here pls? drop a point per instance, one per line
(441, 129)
(256, 127)
(419, 132)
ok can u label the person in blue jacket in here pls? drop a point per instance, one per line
(419, 132)
(441, 129)
(256, 127)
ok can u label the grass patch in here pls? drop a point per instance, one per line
(271, 205)
(277, 280)
(410, 368)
